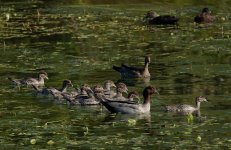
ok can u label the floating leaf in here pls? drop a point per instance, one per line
(131, 122)
(198, 139)
(33, 141)
(86, 131)
(190, 118)
(50, 142)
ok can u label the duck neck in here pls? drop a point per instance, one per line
(147, 99)
(198, 105)
(146, 72)
(119, 94)
(107, 87)
(41, 79)
(64, 88)
(146, 65)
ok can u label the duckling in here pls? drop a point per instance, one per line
(37, 81)
(132, 95)
(29, 81)
(57, 93)
(134, 72)
(204, 17)
(120, 89)
(80, 92)
(53, 91)
(154, 19)
(128, 107)
(83, 99)
(107, 88)
(184, 108)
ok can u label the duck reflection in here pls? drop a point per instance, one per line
(128, 118)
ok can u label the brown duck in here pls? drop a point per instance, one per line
(134, 72)
(204, 17)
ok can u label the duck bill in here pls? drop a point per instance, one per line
(157, 92)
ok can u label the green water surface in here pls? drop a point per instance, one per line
(81, 40)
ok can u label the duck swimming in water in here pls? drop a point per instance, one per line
(184, 108)
(88, 99)
(154, 19)
(54, 91)
(127, 107)
(31, 81)
(204, 17)
(134, 72)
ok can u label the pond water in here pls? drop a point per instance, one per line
(81, 41)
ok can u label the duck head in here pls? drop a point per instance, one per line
(201, 99)
(206, 11)
(98, 89)
(148, 91)
(122, 87)
(109, 83)
(147, 59)
(132, 95)
(151, 14)
(67, 83)
(43, 75)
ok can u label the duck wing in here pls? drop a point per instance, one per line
(164, 20)
(198, 19)
(53, 90)
(89, 101)
(30, 81)
(179, 108)
(139, 69)
(124, 107)
(71, 99)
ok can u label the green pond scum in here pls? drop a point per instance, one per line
(81, 40)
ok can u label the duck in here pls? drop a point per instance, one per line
(204, 17)
(128, 107)
(83, 99)
(29, 81)
(184, 108)
(154, 19)
(107, 88)
(134, 72)
(36, 81)
(56, 93)
(80, 92)
(120, 89)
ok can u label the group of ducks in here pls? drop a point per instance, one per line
(154, 19)
(112, 99)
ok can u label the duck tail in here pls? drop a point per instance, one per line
(116, 68)
(10, 78)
